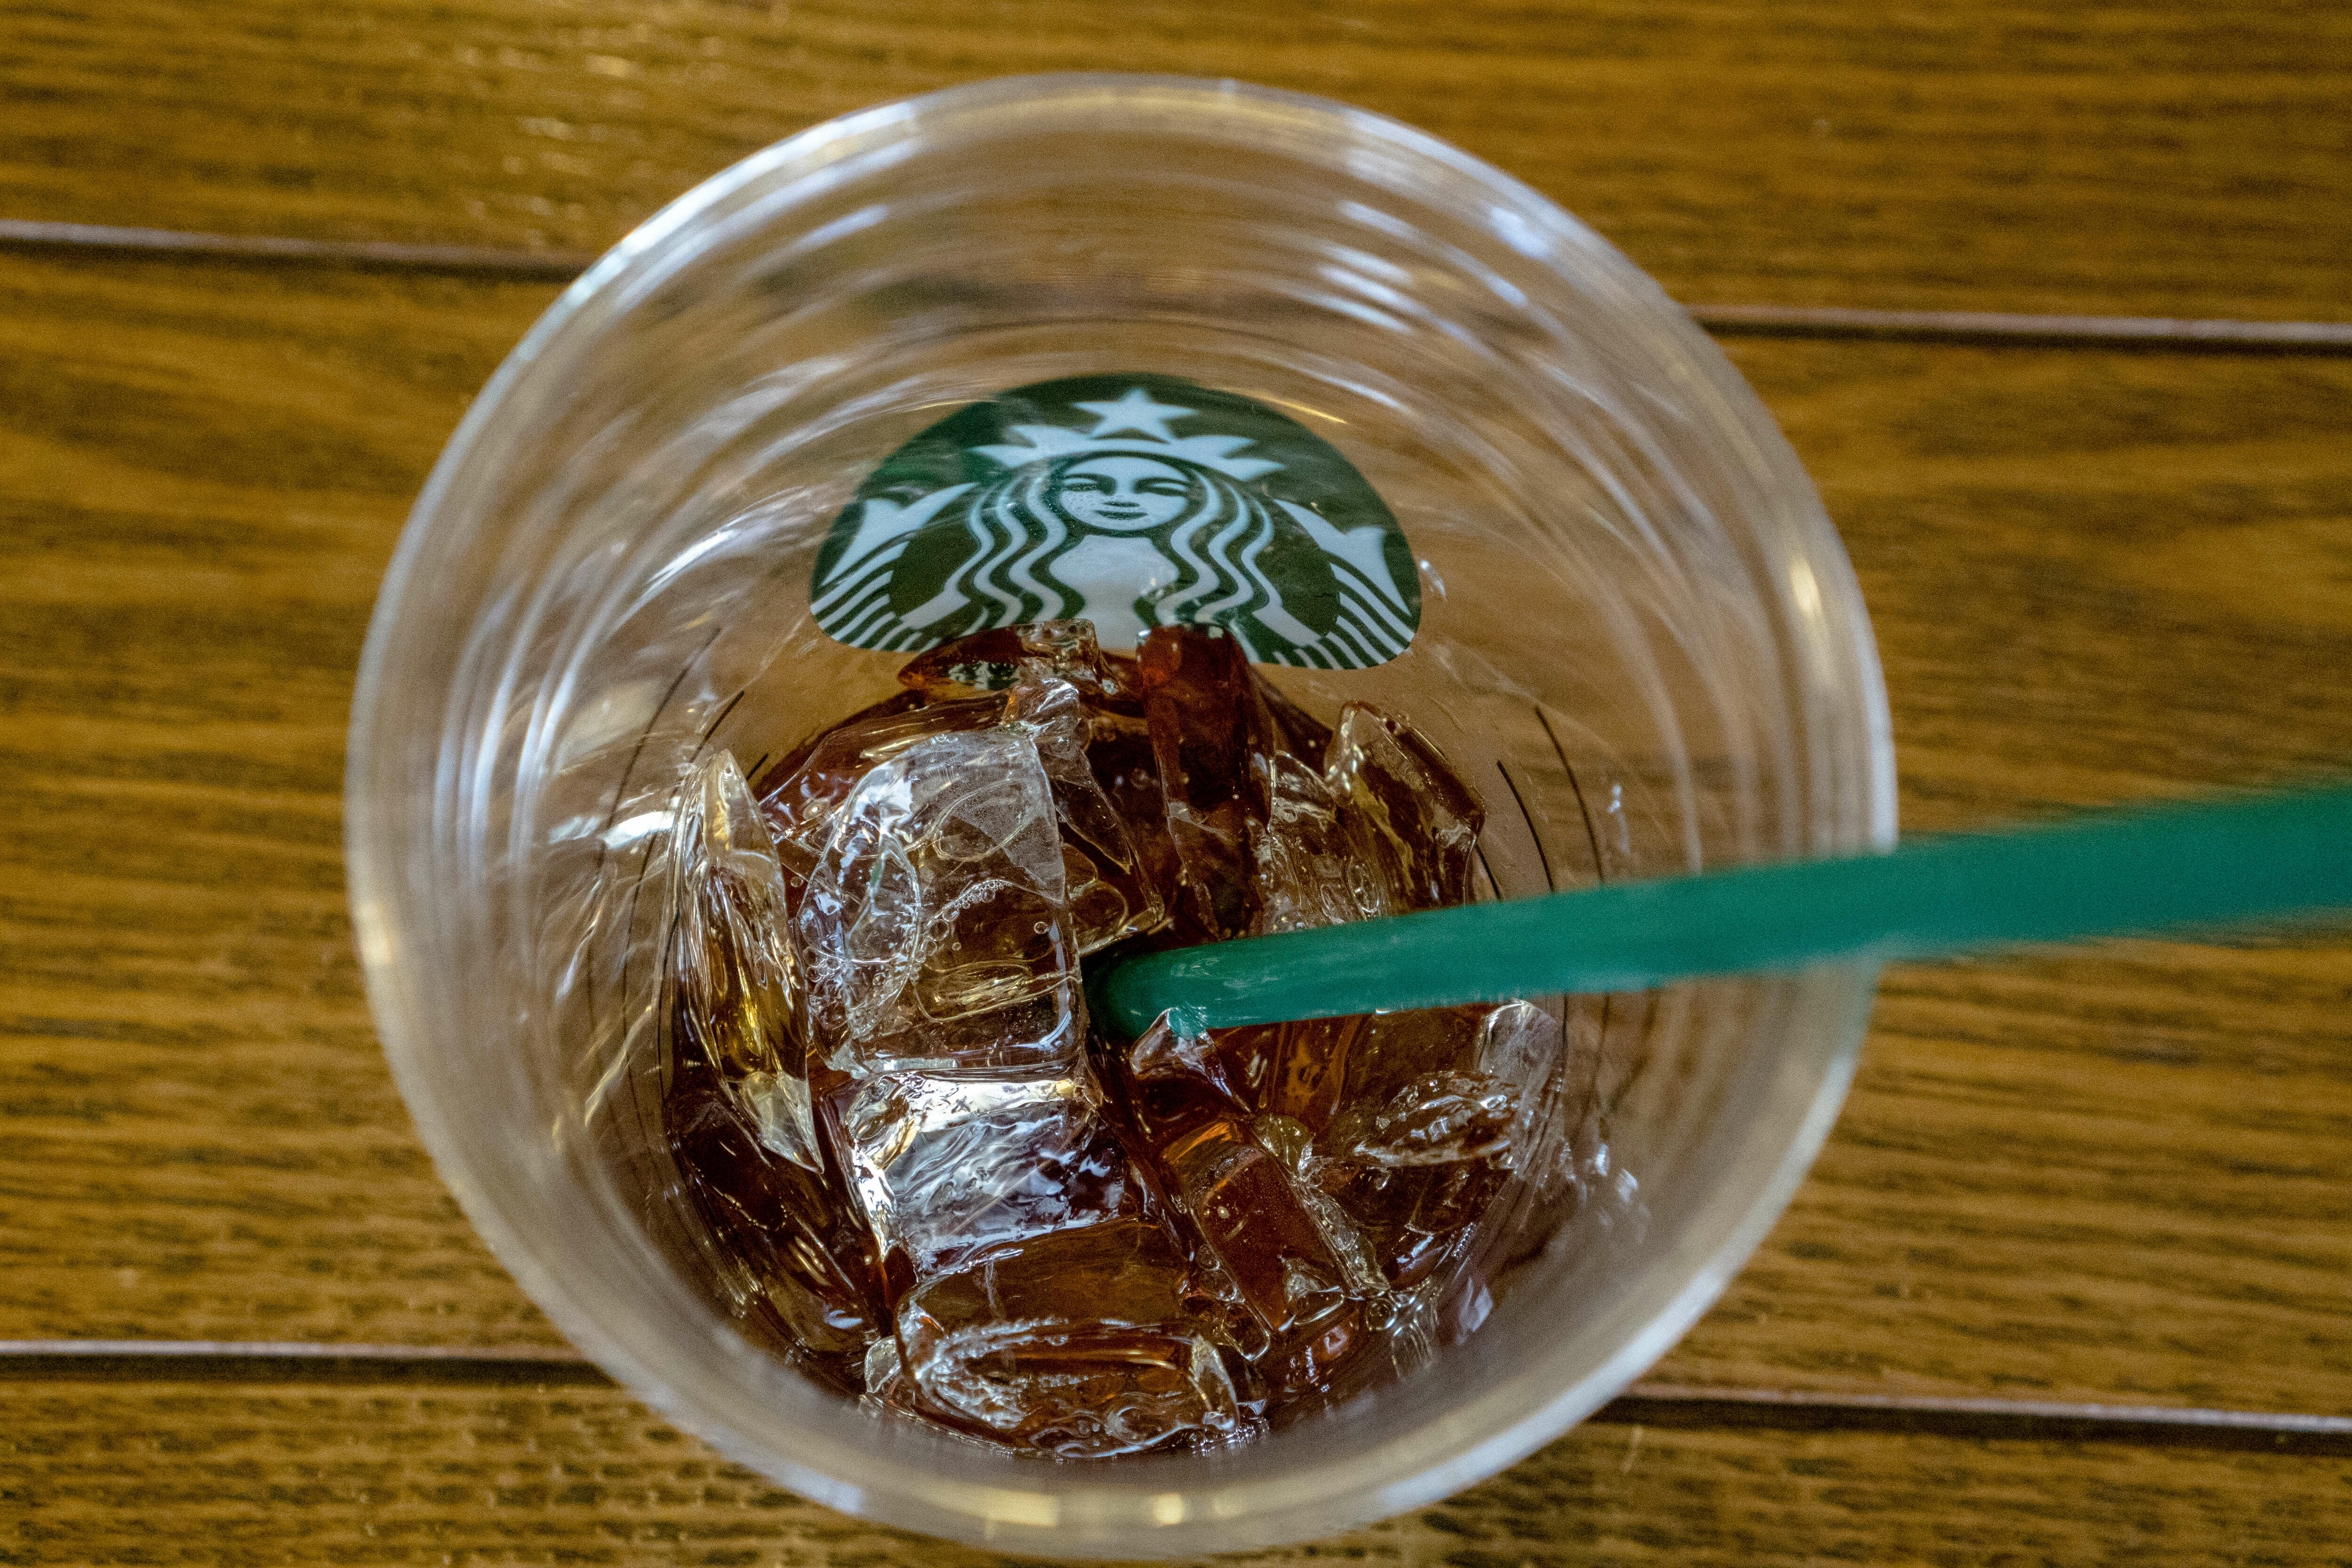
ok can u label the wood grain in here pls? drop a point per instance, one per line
(2116, 1173)
(201, 478)
(2093, 577)
(2150, 158)
(199, 1473)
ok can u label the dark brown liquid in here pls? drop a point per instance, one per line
(927, 1175)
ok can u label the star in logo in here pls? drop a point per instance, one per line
(1136, 411)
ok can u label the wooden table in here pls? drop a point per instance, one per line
(2076, 1198)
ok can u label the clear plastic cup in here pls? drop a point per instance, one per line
(1640, 638)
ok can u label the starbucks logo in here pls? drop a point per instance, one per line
(1132, 501)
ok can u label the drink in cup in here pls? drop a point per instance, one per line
(1420, 498)
(934, 1182)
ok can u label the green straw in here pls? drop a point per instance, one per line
(2093, 876)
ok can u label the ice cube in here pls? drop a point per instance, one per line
(1386, 1051)
(1039, 1302)
(1417, 1168)
(1310, 1069)
(1303, 871)
(1412, 823)
(802, 791)
(738, 1108)
(1209, 725)
(1294, 1069)
(1119, 755)
(1109, 896)
(787, 1244)
(1294, 1278)
(1078, 1343)
(994, 660)
(1308, 1076)
(1301, 734)
(935, 925)
(1523, 1045)
(884, 1374)
(734, 969)
(1238, 1065)
(782, 1115)
(1386, 827)
(946, 1168)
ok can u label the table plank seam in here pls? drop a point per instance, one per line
(1643, 1404)
(2173, 334)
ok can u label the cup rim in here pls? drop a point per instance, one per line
(1405, 1469)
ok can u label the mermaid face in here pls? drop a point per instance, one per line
(1123, 495)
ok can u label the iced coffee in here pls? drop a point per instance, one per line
(943, 1186)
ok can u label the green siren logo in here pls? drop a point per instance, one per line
(1132, 501)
